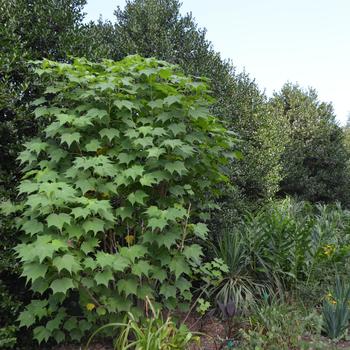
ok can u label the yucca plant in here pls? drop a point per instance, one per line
(335, 310)
(238, 285)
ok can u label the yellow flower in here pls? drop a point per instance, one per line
(328, 249)
(90, 306)
(129, 239)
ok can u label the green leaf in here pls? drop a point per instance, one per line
(145, 291)
(80, 212)
(155, 223)
(26, 319)
(59, 336)
(90, 263)
(40, 286)
(177, 166)
(200, 230)
(109, 133)
(124, 212)
(159, 274)
(36, 146)
(70, 138)
(144, 142)
(93, 146)
(38, 101)
(183, 284)
(62, 285)
(31, 227)
(134, 172)
(70, 324)
(137, 197)
(94, 224)
(155, 152)
(168, 291)
(179, 266)
(142, 267)
(125, 104)
(33, 271)
(41, 333)
(66, 262)
(54, 323)
(105, 86)
(145, 130)
(58, 220)
(74, 231)
(126, 158)
(38, 308)
(132, 134)
(41, 111)
(159, 132)
(89, 245)
(96, 113)
(128, 286)
(133, 252)
(104, 259)
(104, 277)
(199, 112)
(156, 104)
(168, 238)
(176, 212)
(120, 263)
(194, 253)
(64, 119)
(172, 143)
(28, 187)
(172, 99)
(101, 311)
(85, 185)
(149, 179)
(114, 261)
(177, 128)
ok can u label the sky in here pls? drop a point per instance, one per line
(275, 41)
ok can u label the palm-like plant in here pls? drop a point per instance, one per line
(239, 285)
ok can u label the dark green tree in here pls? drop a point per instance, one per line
(315, 158)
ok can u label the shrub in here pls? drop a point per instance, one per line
(116, 190)
(277, 326)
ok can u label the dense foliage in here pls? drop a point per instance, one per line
(315, 158)
(156, 28)
(121, 165)
(116, 187)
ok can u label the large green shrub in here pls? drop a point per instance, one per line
(315, 158)
(116, 188)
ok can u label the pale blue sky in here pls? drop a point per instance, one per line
(304, 41)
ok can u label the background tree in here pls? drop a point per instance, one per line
(315, 159)
(157, 28)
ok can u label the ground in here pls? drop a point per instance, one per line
(214, 331)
